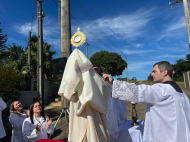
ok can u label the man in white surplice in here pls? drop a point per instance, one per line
(168, 108)
(88, 94)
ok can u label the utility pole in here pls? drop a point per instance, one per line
(127, 69)
(40, 55)
(29, 61)
(65, 29)
(186, 10)
(65, 37)
(29, 52)
(87, 49)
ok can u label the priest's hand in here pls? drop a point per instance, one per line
(108, 78)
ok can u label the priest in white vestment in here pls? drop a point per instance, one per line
(88, 94)
(168, 109)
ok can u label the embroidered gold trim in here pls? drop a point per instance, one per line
(69, 91)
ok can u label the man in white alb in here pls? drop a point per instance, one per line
(168, 108)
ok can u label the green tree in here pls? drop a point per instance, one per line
(34, 39)
(3, 39)
(11, 57)
(47, 57)
(11, 82)
(111, 63)
(179, 69)
(122, 79)
(133, 79)
(24, 60)
(150, 78)
(187, 62)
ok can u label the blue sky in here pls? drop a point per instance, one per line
(145, 31)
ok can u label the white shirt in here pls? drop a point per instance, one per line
(16, 122)
(29, 133)
(2, 107)
(167, 115)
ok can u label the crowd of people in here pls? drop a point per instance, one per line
(167, 115)
(27, 126)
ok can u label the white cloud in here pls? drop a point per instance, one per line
(123, 27)
(18, 41)
(178, 25)
(183, 47)
(171, 56)
(138, 45)
(126, 51)
(136, 66)
(51, 31)
(25, 28)
(174, 30)
(141, 70)
(129, 26)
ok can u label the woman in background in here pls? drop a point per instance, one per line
(17, 116)
(37, 125)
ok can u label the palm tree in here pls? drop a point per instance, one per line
(47, 57)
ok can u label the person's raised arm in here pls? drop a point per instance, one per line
(131, 92)
(108, 78)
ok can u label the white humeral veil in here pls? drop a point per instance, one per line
(116, 116)
(88, 94)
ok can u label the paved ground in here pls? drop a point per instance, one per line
(54, 109)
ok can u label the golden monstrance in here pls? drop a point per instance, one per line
(78, 38)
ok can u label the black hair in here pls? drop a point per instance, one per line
(164, 65)
(99, 68)
(31, 112)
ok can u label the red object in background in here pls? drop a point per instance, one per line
(59, 78)
(48, 140)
